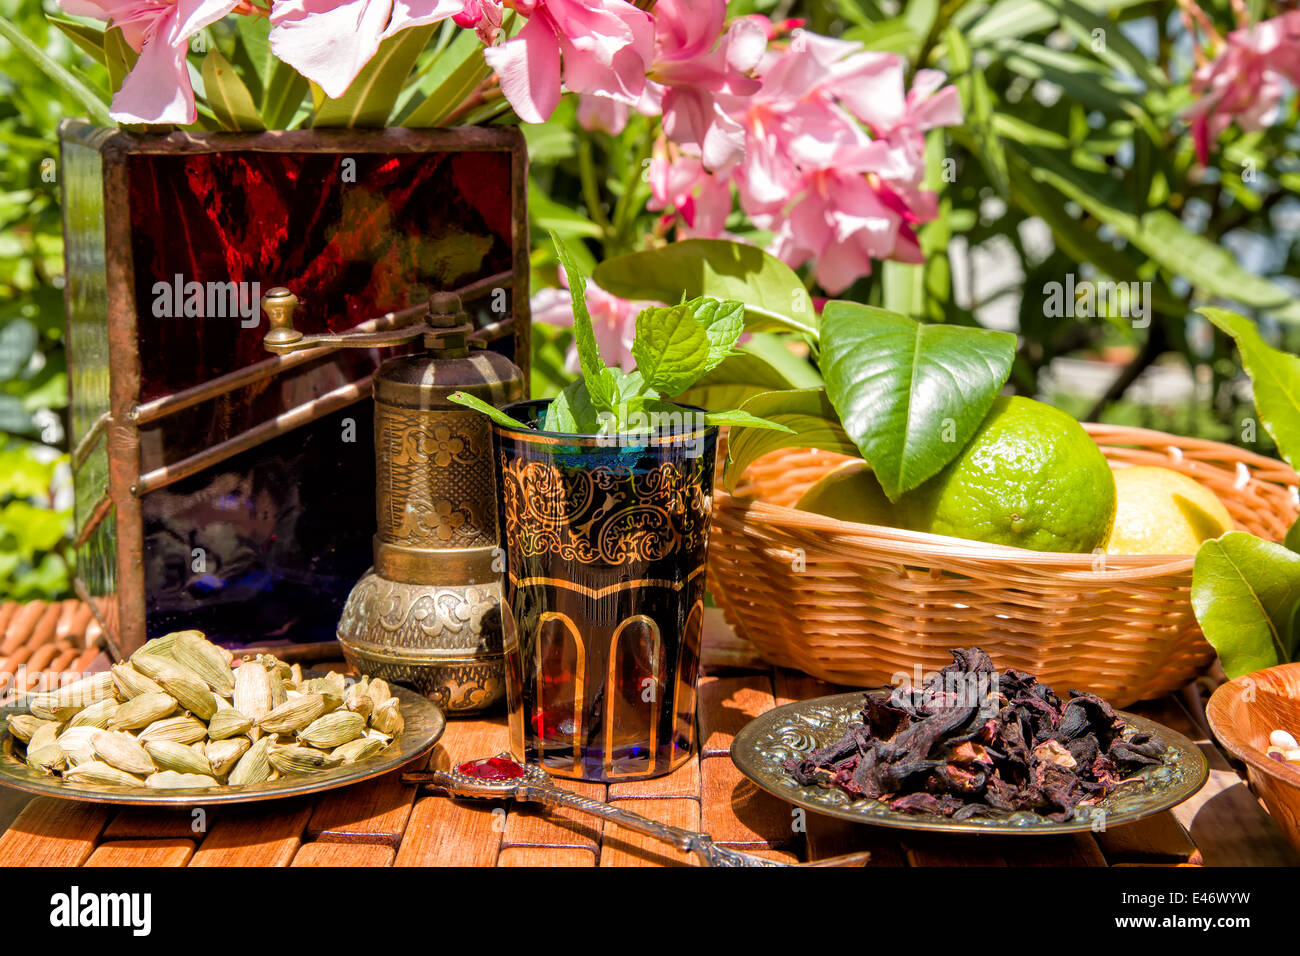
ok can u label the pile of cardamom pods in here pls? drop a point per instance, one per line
(179, 714)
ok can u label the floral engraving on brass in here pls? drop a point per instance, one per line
(605, 515)
(433, 472)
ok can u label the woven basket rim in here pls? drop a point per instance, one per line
(917, 547)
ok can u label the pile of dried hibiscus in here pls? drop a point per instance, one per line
(971, 742)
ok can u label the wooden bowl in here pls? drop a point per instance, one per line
(1242, 714)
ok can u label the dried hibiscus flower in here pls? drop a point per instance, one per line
(972, 742)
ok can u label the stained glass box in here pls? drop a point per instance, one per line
(219, 487)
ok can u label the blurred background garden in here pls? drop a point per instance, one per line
(1074, 165)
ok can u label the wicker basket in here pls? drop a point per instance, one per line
(859, 604)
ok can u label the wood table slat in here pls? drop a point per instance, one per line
(372, 812)
(623, 847)
(167, 852)
(137, 823)
(52, 832)
(530, 825)
(726, 704)
(547, 856)
(343, 854)
(682, 782)
(256, 834)
(736, 811)
(446, 832)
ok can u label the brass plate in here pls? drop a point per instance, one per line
(424, 725)
(795, 729)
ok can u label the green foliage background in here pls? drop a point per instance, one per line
(1073, 120)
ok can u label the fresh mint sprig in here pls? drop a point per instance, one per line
(674, 347)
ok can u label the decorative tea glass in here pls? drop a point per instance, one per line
(605, 541)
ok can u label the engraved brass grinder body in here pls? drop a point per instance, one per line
(428, 613)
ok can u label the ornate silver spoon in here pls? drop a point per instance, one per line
(502, 777)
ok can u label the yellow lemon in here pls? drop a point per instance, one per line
(1161, 511)
(850, 492)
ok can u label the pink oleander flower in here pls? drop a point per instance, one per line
(604, 46)
(1245, 82)
(613, 320)
(157, 90)
(329, 41)
(483, 17)
(702, 199)
(704, 80)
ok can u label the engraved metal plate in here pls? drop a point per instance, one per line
(424, 725)
(795, 729)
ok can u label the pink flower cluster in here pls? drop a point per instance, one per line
(818, 137)
(1246, 80)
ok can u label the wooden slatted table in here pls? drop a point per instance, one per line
(385, 823)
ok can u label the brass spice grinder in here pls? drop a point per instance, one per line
(428, 613)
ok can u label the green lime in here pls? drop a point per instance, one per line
(1030, 477)
(850, 492)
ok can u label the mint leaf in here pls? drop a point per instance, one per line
(671, 348)
(571, 412)
(723, 322)
(491, 411)
(584, 334)
(736, 417)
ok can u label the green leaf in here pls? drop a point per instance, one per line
(910, 395)
(33, 529)
(1208, 266)
(455, 73)
(229, 98)
(86, 36)
(119, 58)
(252, 55)
(285, 90)
(809, 415)
(671, 347)
(90, 101)
(1244, 592)
(369, 100)
(1275, 376)
(773, 295)
(547, 215)
(756, 368)
(1292, 540)
(572, 413)
(491, 411)
(742, 419)
(723, 323)
(600, 388)
(18, 340)
(978, 110)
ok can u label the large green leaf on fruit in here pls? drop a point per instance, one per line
(1244, 592)
(909, 395)
(773, 296)
(1276, 378)
(809, 415)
